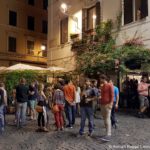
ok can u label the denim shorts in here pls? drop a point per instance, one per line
(32, 104)
(144, 102)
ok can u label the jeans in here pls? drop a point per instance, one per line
(71, 112)
(2, 120)
(106, 113)
(113, 115)
(87, 112)
(21, 112)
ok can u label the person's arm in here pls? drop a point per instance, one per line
(141, 88)
(117, 99)
(111, 93)
(5, 98)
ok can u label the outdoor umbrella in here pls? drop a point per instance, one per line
(2, 68)
(55, 69)
(21, 67)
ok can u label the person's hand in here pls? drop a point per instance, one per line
(110, 106)
(116, 106)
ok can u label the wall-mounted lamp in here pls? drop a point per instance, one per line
(43, 48)
(64, 7)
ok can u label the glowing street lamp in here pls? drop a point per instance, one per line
(43, 47)
(64, 7)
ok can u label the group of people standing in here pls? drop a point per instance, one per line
(67, 100)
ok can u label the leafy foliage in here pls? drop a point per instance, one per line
(97, 53)
(12, 78)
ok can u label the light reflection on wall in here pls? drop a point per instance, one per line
(75, 23)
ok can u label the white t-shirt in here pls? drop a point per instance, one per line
(77, 98)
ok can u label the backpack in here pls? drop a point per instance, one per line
(1, 97)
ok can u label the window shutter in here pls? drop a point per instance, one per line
(84, 21)
(128, 11)
(64, 30)
(98, 12)
(144, 8)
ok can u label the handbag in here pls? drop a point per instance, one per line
(39, 108)
(55, 108)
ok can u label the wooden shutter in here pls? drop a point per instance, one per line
(144, 8)
(84, 21)
(98, 13)
(128, 11)
(64, 31)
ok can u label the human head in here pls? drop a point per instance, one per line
(41, 87)
(103, 78)
(94, 83)
(87, 82)
(144, 79)
(1, 84)
(33, 84)
(22, 81)
(57, 86)
(67, 81)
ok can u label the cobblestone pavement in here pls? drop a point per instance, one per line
(132, 133)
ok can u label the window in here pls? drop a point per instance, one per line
(31, 23)
(44, 26)
(31, 2)
(135, 10)
(12, 18)
(30, 47)
(64, 31)
(91, 17)
(11, 44)
(45, 4)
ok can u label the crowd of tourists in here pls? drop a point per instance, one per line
(68, 99)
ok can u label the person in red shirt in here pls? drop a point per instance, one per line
(69, 92)
(106, 103)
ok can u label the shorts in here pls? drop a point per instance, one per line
(144, 102)
(32, 104)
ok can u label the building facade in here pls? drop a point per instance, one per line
(23, 32)
(68, 19)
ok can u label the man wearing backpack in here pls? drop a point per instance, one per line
(2, 106)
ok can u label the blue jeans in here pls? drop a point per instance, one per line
(71, 112)
(21, 112)
(113, 116)
(2, 119)
(87, 112)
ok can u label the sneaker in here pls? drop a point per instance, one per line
(115, 126)
(45, 129)
(62, 128)
(106, 138)
(90, 134)
(69, 126)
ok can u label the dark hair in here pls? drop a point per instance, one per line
(58, 86)
(67, 81)
(1, 84)
(103, 77)
(22, 80)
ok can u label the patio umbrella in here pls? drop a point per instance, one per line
(2, 69)
(55, 69)
(21, 67)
